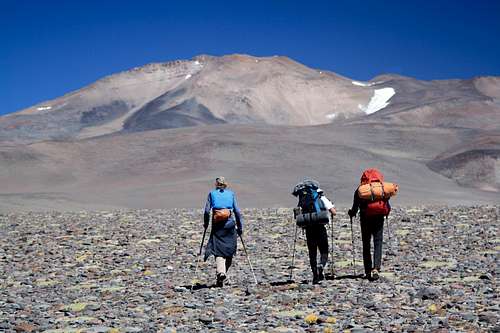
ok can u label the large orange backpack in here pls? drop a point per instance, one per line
(373, 189)
(370, 176)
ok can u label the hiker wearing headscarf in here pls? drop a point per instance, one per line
(227, 223)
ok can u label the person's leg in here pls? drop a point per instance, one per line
(323, 250)
(312, 247)
(229, 261)
(378, 237)
(366, 237)
(220, 262)
(221, 270)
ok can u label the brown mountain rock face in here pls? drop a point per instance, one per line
(157, 135)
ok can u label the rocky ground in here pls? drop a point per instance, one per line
(131, 271)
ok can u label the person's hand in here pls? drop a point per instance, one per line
(239, 231)
(351, 213)
(333, 211)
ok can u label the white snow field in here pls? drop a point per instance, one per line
(379, 100)
(361, 84)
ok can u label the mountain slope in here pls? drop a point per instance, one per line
(233, 89)
(176, 167)
(157, 136)
(445, 103)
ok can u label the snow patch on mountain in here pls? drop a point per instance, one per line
(43, 108)
(361, 84)
(379, 100)
(365, 84)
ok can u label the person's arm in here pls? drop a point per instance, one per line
(355, 205)
(237, 215)
(208, 208)
(328, 205)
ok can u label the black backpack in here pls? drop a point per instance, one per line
(312, 210)
(309, 201)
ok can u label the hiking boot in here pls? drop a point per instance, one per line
(321, 277)
(374, 275)
(220, 280)
(315, 277)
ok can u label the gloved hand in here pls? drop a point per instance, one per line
(239, 231)
(351, 213)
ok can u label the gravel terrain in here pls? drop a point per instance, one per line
(132, 271)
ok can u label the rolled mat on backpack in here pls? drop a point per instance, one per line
(308, 219)
(377, 191)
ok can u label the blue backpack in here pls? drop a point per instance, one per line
(312, 210)
(222, 199)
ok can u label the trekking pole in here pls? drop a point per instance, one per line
(293, 255)
(388, 234)
(353, 250)
(202, 241)
(388, 228)
(248, 259)
(198, 257)
(331, 256)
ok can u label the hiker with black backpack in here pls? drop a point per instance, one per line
(372, 199)
(227, 224)
(312, 214)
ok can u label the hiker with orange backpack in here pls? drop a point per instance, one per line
(372, 199)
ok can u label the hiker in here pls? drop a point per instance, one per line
(312, 215)
(373, 207)
(226, 216)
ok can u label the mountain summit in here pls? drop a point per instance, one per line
(235, 89)
(133, 138)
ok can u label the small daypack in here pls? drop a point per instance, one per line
(221, 215)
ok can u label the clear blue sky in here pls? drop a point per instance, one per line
(49, 47)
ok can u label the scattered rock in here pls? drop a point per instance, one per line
(428, 293)
(131, 271)
(25, 327)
